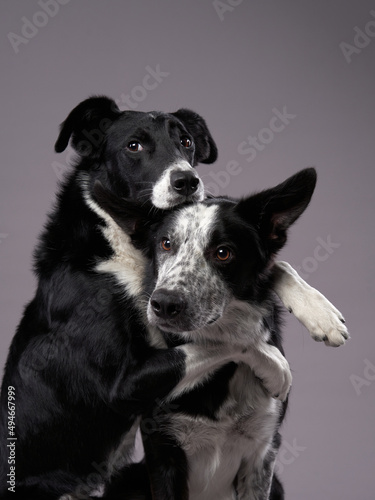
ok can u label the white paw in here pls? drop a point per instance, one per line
(321, 318)
(277, 378)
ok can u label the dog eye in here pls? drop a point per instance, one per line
(166, 244)
(224, 254)
(185, 141)
(134, 147)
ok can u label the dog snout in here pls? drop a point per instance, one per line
(167, 304)
(184, 183)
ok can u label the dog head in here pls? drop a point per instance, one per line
(147, 157)
(206, 257)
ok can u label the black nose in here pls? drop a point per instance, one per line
(184, 183)
(167, 304)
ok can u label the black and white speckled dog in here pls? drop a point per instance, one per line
(209, 283)
(83, 363)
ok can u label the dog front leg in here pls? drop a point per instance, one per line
(201, 361)
(254, 484)
(168, 373)
(269, 365)
(311, 308)
(167, 464)
(255, 481)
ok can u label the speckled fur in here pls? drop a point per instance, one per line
(186, 270)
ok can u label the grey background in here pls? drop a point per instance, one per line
(261, 55)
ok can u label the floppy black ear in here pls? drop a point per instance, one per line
(86, 125)
(134, 218)
(205, 147)
(274, 210)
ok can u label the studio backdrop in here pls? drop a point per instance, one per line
(282, 85)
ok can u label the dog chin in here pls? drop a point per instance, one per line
(171, 202)
(180, 327)
(170, 327)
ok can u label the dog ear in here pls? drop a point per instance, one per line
(274, 210)
(205, 147)
(134, 218)
(87, 124)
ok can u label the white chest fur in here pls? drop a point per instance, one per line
(127, 264)
(242, 433)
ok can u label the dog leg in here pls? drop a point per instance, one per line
(265, 360)
(168, 373)
(256, 482)
(166, 464)
(271, 367)
(202, 360)
(311, 308)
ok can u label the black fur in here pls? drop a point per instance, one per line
(81, 362)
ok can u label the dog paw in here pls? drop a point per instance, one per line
(331, 330)
(321, 318)
(284, 385)
(278, 377)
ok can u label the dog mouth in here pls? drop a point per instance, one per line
(181, 325)
(173, 199)
(179, 199)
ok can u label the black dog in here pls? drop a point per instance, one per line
(82, 363)
(210, 282)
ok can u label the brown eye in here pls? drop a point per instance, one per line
(134, 147)
(185, 141)
(166, 244)
(223, 254)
